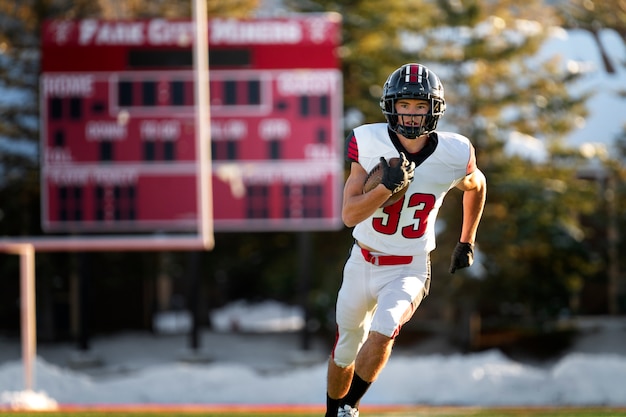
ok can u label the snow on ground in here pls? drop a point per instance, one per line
(271, 368)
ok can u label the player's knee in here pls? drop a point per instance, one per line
(347, 347)
(344, 355)
(342, 362)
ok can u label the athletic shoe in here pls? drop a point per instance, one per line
(347, 411)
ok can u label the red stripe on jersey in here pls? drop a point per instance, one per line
(471, 164)
(352, 149)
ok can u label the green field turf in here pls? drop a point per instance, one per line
(396, 412)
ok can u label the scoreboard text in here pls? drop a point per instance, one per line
(118, 125)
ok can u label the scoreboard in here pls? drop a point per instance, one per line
(118, 125)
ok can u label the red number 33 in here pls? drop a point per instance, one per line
(420, 204)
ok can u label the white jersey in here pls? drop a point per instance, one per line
(408, 226)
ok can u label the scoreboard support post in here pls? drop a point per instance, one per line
(26, 253)
(27, 309)
(305, 252)
(203, 124)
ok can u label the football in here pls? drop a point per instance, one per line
(375, 176)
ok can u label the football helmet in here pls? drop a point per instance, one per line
(413, 81)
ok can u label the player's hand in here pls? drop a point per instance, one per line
(395, 178)
(462, 257)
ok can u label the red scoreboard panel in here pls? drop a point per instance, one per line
(118, 125)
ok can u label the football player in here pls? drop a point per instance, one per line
(387, 274)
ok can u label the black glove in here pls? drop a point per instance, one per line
(397, 177)
(462, 257)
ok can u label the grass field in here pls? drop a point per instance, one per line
(318, 412)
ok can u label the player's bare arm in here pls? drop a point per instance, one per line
(474, 188)
(356, 205)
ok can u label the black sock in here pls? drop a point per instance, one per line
(358, 388)
(332, 405)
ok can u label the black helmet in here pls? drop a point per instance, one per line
(417, 82)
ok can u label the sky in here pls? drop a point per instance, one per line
(579, 52)
(261, 368)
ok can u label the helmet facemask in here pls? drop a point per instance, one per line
(412, 126)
